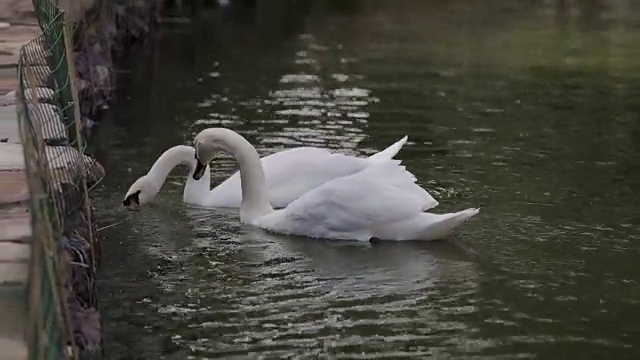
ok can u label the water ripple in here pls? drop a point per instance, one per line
(501, 113)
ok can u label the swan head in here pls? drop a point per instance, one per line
(199, 170)
(141, 192)
(208, 143)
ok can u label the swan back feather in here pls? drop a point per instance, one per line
(383, 193)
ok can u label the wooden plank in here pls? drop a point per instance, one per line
(9, 132)
(13, 273)
(13, 349)
(13, 323)
(14, 252)
(15, 224)
(13, 187)
(11, 157)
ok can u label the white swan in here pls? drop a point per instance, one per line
(290, 173)
(145, 188)
(382, 201)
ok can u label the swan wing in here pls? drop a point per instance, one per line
(304, 170)
(291, 173)
(383, 193)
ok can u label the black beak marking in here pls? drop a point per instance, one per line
(132, 199)
(199, 171)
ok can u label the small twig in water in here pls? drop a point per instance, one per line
(108, 226)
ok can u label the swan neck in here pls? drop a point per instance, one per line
(177, 155)
(255, 201)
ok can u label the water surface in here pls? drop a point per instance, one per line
(527, 109)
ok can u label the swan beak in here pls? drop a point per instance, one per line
(199, 171)
(132, 200)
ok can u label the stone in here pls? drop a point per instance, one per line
(63, 161)
(35, 53)
(41, 93)
(39, 76)
(51, 120)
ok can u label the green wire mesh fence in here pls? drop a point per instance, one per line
(71, 60)
(100, 28)
(63, 306)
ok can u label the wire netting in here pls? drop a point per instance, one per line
(100, 28)
(93, 31)
(66, 80)
(63, 306)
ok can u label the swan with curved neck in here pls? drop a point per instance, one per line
(253, 183)
(383, 201)
(147, 187)
(289, 174)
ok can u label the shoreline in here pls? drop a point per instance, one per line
(65, 186)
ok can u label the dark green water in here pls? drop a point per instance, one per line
(527, 109)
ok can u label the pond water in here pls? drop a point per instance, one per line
(527, 109)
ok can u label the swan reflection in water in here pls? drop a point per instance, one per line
(218, 275)
(365, 264)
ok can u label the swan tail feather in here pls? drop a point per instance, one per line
(425, 227)
(391, 151)
(445, 224)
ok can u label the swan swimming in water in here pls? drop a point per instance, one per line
(289, 174)
(382, 201)
(146, 187)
